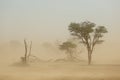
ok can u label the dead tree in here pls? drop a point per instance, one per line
(30, 50)
(28, 57)
(24, 59)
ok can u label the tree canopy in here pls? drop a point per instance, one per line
(89, 34)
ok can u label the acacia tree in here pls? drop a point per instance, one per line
(68, 47)
(89, 34)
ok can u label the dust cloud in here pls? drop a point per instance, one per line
(102, 68)
(44, 22)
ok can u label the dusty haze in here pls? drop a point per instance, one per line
(45, 23)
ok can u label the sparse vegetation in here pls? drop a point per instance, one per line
(27, 54)
(88, 34)
(68, 47)
(53, 40)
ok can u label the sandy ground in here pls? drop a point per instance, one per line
(60, 71)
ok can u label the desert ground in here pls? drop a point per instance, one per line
(60, 71)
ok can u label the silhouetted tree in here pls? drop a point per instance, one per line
(25, 59)
(30, 50)
(68, 47)
(88, 34)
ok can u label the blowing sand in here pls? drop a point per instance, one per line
(60, 71)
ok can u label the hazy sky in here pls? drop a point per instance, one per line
(49, 20)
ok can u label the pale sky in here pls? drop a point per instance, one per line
(49, 19)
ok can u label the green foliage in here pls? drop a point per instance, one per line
(89, 34)
(82, 29)
(69, 48)
(86, 31)
(67, 45)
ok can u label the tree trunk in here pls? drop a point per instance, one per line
(71, 57)
(89, 57)
(25, 57)
(30, 50)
